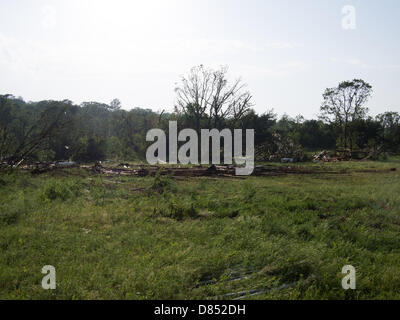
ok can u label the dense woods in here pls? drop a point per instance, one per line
(92, 131)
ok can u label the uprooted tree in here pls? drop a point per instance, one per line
(278, 148)
(20, 140)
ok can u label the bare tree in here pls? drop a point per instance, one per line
(207, 93)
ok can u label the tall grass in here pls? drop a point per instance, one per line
(165, 238)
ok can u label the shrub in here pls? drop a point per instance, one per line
(8, 217)
(11, 210)
(161, 183)
(61, 190)
(177, 210)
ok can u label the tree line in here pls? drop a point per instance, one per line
(60, 130)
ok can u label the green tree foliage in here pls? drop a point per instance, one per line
(343, 105)
(92, 131)
(390, 130)
(60, 130)
(315, 135)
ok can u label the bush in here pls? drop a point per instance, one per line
(61, 190)
(223, 209)
(11, 210)
(8, 217)
(161, 183)
(177, 210)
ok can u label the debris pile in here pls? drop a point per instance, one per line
(282, 149)
(220, 171)
(323, 156)
(348, 155)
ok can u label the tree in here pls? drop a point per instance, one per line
(37, 135)
(115, 105)
(207, 94)
(91, 149)
(6, 138)
(344, 104)
(390, 122)
(367, 134)
(315, 135)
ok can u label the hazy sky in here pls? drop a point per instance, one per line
(287, 51)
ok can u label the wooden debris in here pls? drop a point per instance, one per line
(214, 171)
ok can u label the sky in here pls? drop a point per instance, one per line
(287, 51)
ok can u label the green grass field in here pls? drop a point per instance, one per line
(285, 237)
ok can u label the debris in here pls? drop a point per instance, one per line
(288, 160)
(222, 171)
(321, 156)
(66, 164)
(97, 168)
(348, 155)
(279, 147)
(212, 170)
